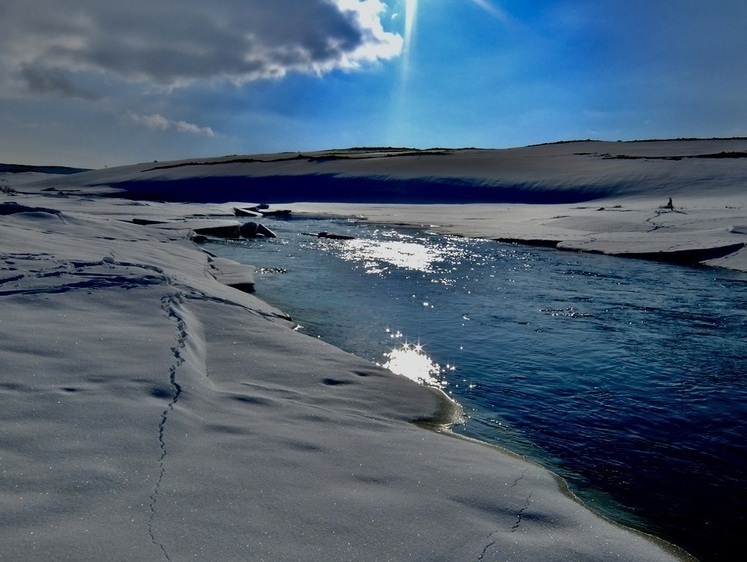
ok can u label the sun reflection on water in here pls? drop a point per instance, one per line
(412, 362)
(398, 250)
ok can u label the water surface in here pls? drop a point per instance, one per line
(625, 377)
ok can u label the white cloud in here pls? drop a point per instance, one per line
(160, 123)
(184, 127)
(46, 44)
(157, 122)
(376, 42)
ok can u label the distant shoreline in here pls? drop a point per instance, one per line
(592, 196)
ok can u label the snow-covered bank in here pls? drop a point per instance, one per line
(706, 230)
(592, 196)
(151, 412)
(552, 173)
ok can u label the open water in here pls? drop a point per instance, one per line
(626, 377)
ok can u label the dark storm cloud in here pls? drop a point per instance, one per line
(172, 42)
(52, 82)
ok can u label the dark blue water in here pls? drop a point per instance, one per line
(628, 378)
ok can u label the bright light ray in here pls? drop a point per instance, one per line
(493, 10)
(411, 11)
(399, 114)
(411, 15)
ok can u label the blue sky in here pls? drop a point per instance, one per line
(103, 82)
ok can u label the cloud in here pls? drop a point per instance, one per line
(48, 43)
(184, 127)
(45, 81)
(160, 123)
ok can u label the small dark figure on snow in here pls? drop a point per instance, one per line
(669, 205)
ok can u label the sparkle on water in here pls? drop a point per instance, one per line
(411, 361)
(399, 250)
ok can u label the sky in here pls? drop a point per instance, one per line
(97, 83)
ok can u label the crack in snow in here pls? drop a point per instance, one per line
(657, 214)
(80, 275)
(169, 305)
(519, 516)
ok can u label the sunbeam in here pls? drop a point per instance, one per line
(411, 10)
(494, 11)
(399, 114)
(411, 13)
